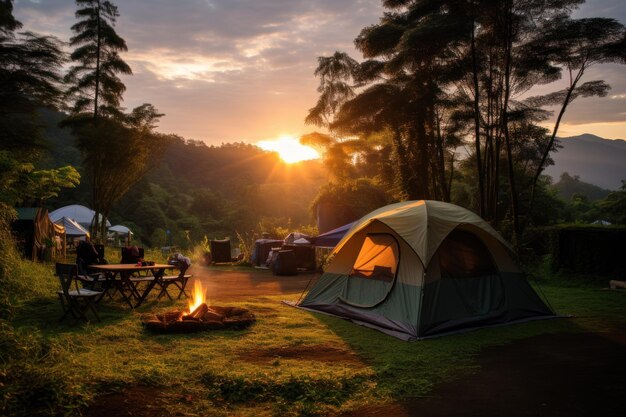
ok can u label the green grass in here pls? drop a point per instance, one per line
(60, 368)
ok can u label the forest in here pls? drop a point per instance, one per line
(441, 107)
(452, 101)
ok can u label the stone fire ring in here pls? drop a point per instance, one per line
(218, 318)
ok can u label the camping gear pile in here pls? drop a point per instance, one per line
(287, 256)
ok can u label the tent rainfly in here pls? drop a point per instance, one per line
(420, 269)
(332, 237)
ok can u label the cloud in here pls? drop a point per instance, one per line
(230, 70)
(223, 70)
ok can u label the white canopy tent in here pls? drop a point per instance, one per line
(120, 230)
(120, 235)
(72, 228)
(81, 214)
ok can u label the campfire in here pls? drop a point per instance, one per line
(199, 317)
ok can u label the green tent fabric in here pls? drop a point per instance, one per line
(424, 268)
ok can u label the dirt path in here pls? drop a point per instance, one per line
(550, 375)
(224, 285)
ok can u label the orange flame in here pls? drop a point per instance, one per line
(198, 296)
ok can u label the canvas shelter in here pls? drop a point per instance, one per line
(421, 269)
(81, 214)
(119, 235)
(72, 229)
(34, 232)
(120, 230)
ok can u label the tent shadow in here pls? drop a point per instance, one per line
(541, 368)
(44, 313)
(405, 371)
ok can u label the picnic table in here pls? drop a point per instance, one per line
(120, 277)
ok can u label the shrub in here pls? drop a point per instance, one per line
(589, 250)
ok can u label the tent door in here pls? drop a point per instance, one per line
(374, 271)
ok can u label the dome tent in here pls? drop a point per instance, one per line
(420, 269)
(80, 214)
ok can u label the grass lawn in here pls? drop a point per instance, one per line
(290, 362)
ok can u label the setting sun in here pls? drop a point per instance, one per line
(289, 149)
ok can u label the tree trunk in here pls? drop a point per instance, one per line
(505, 124)
(98, 47)
(479, 167)
(546, 152)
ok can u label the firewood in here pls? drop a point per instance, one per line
(200, 311)
(212, 316)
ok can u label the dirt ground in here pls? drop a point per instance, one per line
(225, 285)
(573, 375)
(550, 375)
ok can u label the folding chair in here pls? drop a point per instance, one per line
(75, 302)
(179, 281)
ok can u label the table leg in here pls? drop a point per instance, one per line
(158, 274)
(120, 283)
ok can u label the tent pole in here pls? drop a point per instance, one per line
(421, 305)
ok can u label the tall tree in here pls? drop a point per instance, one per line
(576, 45)
(117, 153)
(440, 70)
(29, 79)
(401, 90)
(117, 148)
(94, 80)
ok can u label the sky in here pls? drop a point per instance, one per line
(242, 70)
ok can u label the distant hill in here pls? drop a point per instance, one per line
(212, 190)
(595, 160)
(568, 186)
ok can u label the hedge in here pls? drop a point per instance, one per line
(589, 250)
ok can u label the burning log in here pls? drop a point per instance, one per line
(200, 319)
(212, 316)
(199, 312)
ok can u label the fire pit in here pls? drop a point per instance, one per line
(200, 317)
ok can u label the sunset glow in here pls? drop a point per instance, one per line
(289, 149)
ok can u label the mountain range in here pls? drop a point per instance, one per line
(595, 160)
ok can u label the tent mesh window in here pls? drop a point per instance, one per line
(463, 255)
(378, 258)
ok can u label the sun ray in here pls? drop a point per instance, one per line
(289, 149)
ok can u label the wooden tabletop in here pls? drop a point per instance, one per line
(130, 267)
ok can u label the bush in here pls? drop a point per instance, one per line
(589, 250)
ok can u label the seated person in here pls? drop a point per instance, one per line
(131, 255)
(86, 254)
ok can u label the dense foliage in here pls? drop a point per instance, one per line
(439, 73)
(195, 190)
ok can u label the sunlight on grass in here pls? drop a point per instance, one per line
(243, 373)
